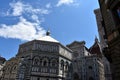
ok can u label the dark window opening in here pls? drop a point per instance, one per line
(38, 78)
(75, 76)
(62, 65)
(45, 63)
(36, 62)
(91, 78)
(119, 30)
(66, 66)
(90, 67)
(116, 13)
(104, 36)
(103, 24)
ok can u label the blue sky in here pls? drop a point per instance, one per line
(25, 20)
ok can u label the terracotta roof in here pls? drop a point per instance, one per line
(95, 48)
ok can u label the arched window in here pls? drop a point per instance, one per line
(66, 65)
(45, 62)
(8, 68)
(40, 62)
(62, 64)
(36, 61)
(14, 68)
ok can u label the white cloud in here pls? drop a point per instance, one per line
(48, 5)
(35, 18)
(23, 30)
(19, 8)
(64, 2)
(28, 27)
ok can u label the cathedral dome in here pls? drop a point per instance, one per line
(96, 48)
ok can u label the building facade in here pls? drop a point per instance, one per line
(43, 59)
(86, 66)
(100, 27)
(2, 63)
(110, 11)
(47, 59)
(102, 44)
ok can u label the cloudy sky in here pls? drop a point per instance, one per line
(25, 20)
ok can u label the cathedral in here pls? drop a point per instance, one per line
(110, 22)
(87, 63)
(42, 59)
(47, 59)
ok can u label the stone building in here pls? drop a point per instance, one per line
(110, 11)
(100, 27)
(42, 59)
(102, 44)
(86, 66)
(10, 69)
(47, 59)
(96, 49)
(2, 63)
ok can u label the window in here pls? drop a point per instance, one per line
(38, 78)
(91, 78)
(62, 64)
(14, 68)
(36, 61)
(8, 69)
(45, 62)
(66, 65)
(116, 13)
(90, 67)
